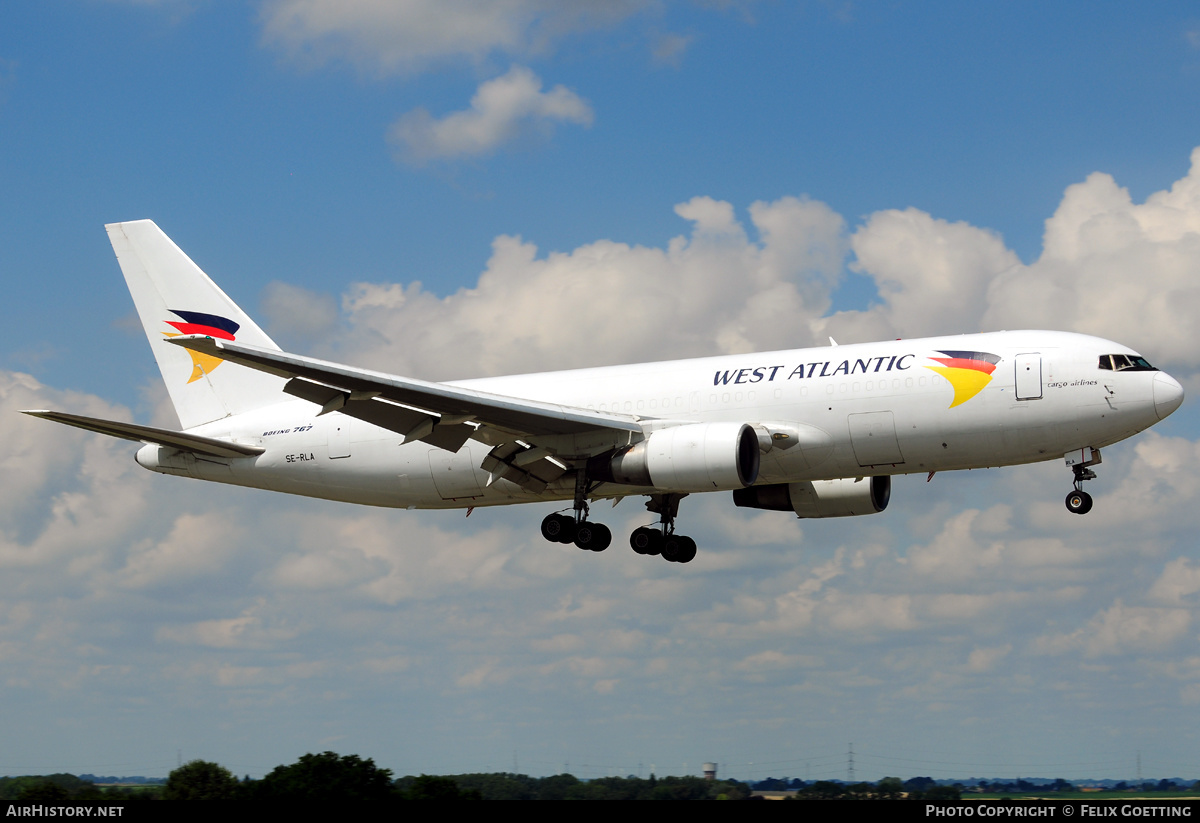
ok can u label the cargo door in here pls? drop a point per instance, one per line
(454, 474)
(873, 436)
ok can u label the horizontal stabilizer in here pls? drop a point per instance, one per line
(150, 434)
(511, 414)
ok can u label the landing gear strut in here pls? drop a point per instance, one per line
(674, 548)
(1079, 501)
(563, 528)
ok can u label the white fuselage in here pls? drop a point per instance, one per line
(851, 411)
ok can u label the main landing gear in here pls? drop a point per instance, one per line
(563, 528)
(596, 537)
(1079, 501)
(674, 548)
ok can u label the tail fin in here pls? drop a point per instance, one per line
(173, 297)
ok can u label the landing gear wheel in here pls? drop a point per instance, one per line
(678, 549)
(687, 550)
(671, 547)
(592, 536)
(646, 540)
(558, 528)
(1079, 502)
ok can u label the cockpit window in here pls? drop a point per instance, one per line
(1124, 362)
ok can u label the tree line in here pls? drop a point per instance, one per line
(332, 778)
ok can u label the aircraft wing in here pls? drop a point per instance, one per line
(435, 413)
(151, 434)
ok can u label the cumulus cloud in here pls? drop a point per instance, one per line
(767, 282)
(1113, 268)
(1121, 629)
(932, 275)
(712, 291)
(669, 48)
(1109, 267)
(385, 36)
(974, 544)
(58, 486)
(859, 614)
(294, 313)
(195, 546)
(985, 659)
(502, 110)
(248, 630)
(1179, 583)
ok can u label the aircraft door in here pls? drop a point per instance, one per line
(873, 436)
(1029, 376)
(454, 474)
(337, 433)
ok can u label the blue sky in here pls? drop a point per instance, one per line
(318, 159)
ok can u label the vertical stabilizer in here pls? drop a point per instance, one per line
(173, 297)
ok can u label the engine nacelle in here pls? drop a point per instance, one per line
(698, 457)
(820, 498)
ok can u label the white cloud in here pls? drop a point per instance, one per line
(1114, 268)
(248, 630)
(502, 110)
(1109, 267)
(1121, 629)
(60, 487)
(197, 545)
(293, 312)
(767, 283)
(975, 543)
(1179, 583)
(932, 275)
(385, 36)
(669, 48)
(985, 659)
(426, 604)
(709, 292)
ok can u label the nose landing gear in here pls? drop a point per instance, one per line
(1079, 501)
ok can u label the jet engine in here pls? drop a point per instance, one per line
(820, 498)
(697, 457)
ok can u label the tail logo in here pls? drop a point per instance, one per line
(967, 371)
(211, 325)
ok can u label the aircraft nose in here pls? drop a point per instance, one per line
(1168, 394)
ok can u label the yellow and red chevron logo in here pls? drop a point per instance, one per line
(211, 325)
(967, 371)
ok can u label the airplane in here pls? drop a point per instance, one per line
(818, 432)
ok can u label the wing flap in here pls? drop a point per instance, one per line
(151, 434)
(438, 400)
(413, 424)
